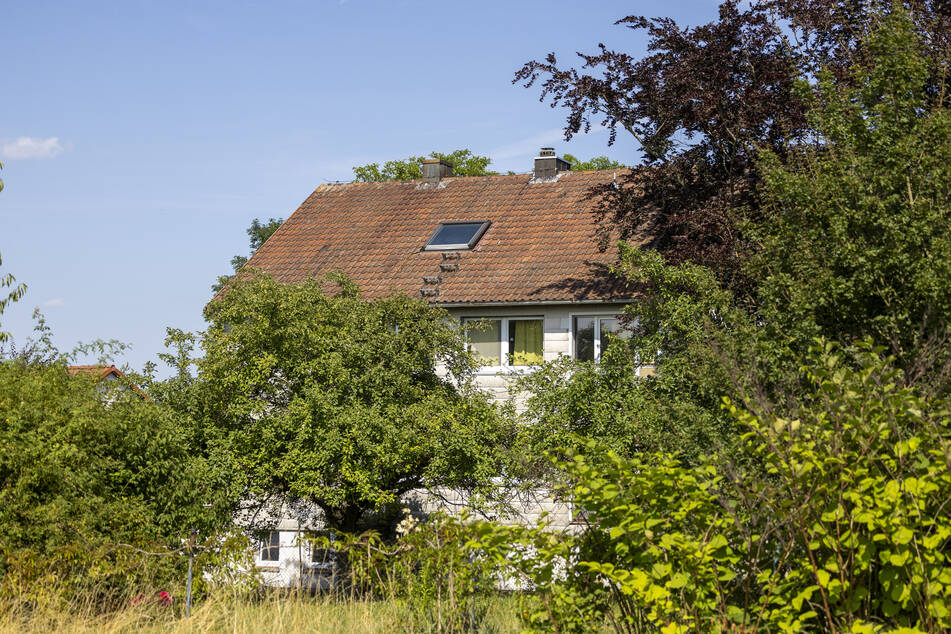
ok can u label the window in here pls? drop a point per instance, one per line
(485, 341)
(450, 236)
(271, 547)
(507, 342)
(592, 335)
(321, 557)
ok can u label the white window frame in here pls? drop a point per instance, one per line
(641, 367)
(504, 344)
(597, 316)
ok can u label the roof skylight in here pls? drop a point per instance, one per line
(450, 236)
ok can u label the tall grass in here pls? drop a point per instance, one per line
(226, 613)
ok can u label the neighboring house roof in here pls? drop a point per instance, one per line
(540, 246)
(99, 371)
(104, 373)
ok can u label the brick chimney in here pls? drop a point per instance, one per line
(436, 169)
(547, 165)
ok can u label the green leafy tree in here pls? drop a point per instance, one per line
(856, 235)
(852, 241)
(339, 401)
(596, 163)
(464, 163)
(258, 233)
(92, 477)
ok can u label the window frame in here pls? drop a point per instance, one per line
(504, 352)
(643, 369)
(461, 246)
(597, 317)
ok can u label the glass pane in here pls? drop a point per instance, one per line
(459, 233)
(321, 556)
(611, 329)
(485, 341)
(584, 338)
(525, 341)
(271, 550)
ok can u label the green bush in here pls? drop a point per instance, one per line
(98, 487)
(843, 526)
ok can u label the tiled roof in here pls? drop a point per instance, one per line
(540, 247)
(100, 371)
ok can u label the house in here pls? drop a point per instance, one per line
(517, 252)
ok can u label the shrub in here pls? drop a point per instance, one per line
(844, 525)
(91, 482)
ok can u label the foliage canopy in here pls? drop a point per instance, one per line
(340, 401)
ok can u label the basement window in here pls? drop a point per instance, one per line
(271, 547)
(453, 236)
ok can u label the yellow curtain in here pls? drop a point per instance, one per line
(527, 349)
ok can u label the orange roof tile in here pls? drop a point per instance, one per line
(101, 371)
(540, 247)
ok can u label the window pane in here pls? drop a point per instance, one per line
(485, 341)
(584, 338)
(321, 556)
(271, 549)
(610, 330)
(525, 341)
(457, 235)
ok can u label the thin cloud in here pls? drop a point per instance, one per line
(53, 303)
(27, 147)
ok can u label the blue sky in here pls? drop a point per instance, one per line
(140, 138)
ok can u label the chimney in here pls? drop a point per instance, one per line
(436, 169)
(547, 165)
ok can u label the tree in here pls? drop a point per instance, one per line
(596, 163)
(464, 163)
(853, 240)
(704, 101)
(849, 241)
(338, 401)
(258, 233)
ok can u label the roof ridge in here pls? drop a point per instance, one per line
(448, 179)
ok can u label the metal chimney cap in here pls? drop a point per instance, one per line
(547, 151)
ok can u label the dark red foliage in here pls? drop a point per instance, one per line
(701, 105)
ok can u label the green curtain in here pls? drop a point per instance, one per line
(527, 349)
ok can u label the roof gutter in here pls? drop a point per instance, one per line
(542, 303)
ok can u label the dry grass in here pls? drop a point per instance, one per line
(275, 614)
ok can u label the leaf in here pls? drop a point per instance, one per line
(678, 580)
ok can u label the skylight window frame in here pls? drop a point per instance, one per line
(462, 246)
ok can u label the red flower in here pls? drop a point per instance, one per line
(164, 598)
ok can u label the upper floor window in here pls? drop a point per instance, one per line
(452, 236)
(592, 335)
(507, 342)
